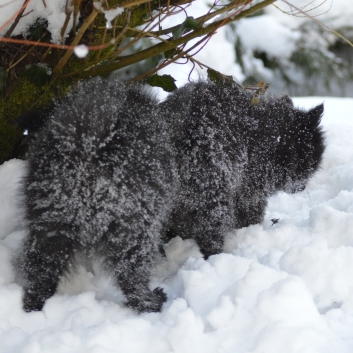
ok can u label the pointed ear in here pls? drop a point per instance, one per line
(317, 112)
(314, 115)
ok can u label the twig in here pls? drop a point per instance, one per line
(171, 44)
(126, 4)
(319, 22)
(209, 16)
(143, 33)
(77, 39)
(17, 17)
(67, 20)
(12, 65)
(77, 4)
(125, 28)
(49, 45)
(100, 51)
(291, 12)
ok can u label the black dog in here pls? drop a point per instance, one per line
(232, 154)
(100, 180)
(112, 170)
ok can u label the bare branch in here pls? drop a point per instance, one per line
(16, 18)
(77, 39)
(173, 43)
(304, 9)
(319, 22)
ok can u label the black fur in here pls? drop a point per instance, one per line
(112, 170)
(34, 119)
(100, 177)
(232, 154)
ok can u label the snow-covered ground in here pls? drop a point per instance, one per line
(286, 287)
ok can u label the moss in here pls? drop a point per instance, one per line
(113, 3)
(9, 137)
(23, 96)
(138, 15)
(32, 89)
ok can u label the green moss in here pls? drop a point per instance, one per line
(9, 137)
(33, 89)
(113, 3)
(137, 16)
(23, 96)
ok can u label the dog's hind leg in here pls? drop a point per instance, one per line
(130, 259)
(46, 256)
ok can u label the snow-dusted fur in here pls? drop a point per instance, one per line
(100, 180)
(232, 154)
(104, 169)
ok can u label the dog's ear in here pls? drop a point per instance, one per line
(317, 112)
(314, 115)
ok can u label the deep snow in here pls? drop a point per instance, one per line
(277, 288)
(281, 288)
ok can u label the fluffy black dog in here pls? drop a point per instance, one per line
(232, 154)
(100, 180)
(112, 171)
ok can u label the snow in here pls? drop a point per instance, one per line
(81, 51)
(52, 11)
(275, 38)
(275, 33)
(335, 13)
(277, 288)
(110, 15)
(282, 287)
(218, 53)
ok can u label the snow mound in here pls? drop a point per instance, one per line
(285, 287)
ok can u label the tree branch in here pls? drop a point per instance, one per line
(173, 43)
(207, 17)
(77, 39)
